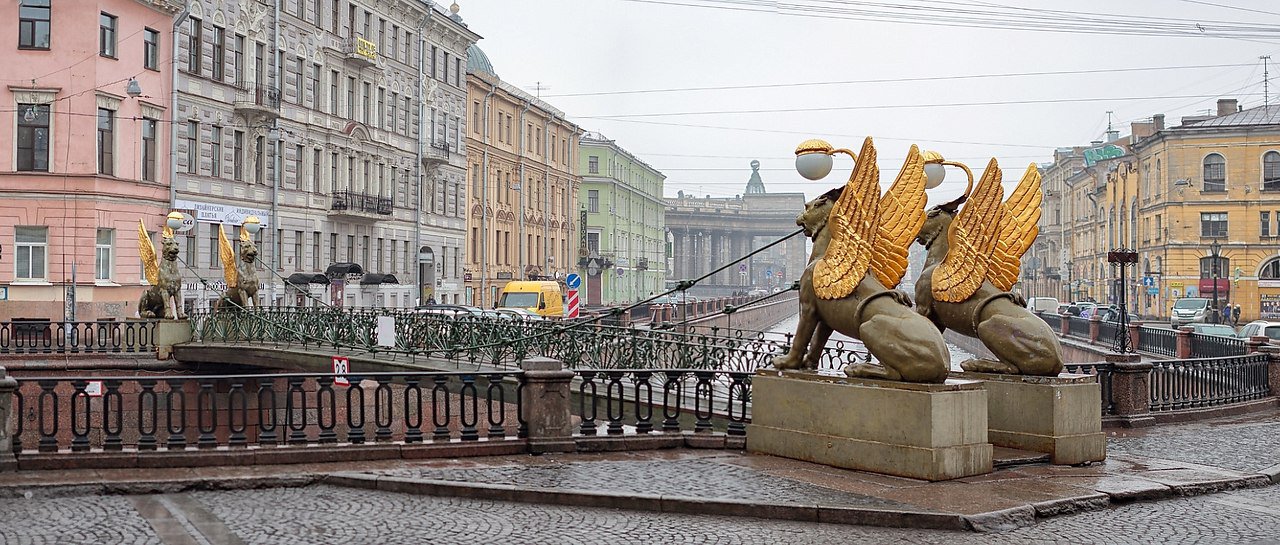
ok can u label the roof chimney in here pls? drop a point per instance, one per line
(1113, 135)
(1227, 106)
(1158, 120)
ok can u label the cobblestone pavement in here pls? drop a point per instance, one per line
(695, 478)
(1243, 443)
(329, 515)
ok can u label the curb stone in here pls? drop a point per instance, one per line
(1002, 520)
(157, 486)
(1272, 473)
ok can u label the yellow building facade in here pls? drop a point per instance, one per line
(1172, 194)
(522, 186)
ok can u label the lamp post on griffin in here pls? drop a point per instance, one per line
(1215, 250)
(814, 161)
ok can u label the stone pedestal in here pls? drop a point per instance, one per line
(546, 405)
(1059, 415)
(169, 333)
(924, 431)
(7, 386)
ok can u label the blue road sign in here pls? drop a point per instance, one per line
(1148, 281)
(1153, 291)
(573, 281)
(768, 273)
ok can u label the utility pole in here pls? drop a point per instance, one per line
(1266, 81)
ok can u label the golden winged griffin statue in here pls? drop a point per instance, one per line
(164, 298)
(860, 243)
(241, 274)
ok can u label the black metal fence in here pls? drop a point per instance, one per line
(1078, 327)
(1216, 346)
(1186, 384)
(631, 399)
(1103, 371)
(356, 201)
(34, 336)
(1157, 340)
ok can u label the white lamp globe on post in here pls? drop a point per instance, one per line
(174, 221)
(813, 158)
(252, 224)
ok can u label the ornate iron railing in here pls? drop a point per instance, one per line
(503, 341)
(1157, 340)
(1104, 373)
(1183, 384)
(172, 413)
(1107, 332)
(1216, 346)
(631, 399)
(87, 337)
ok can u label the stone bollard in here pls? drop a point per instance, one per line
(546, 405)
(8, 462)
(1255, 343)
(1131, 389)
(1135, 335)
(1184, 343)
(1064, 325)
(1095, 328)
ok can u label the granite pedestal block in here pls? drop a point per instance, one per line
(924, 431)
(1061, 415)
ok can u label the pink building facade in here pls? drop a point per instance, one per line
(85, 153)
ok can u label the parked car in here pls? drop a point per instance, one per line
(1064, 307)
(1260, 328)
(1189, 310)
(1221, 330)
(519, 313)
(1042, 304)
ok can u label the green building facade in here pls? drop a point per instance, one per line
(622, 252)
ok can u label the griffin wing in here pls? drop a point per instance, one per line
(1018, 231)
(853, 228)
(228, 257)
(150, 264)
(971, 240)
(901, 214)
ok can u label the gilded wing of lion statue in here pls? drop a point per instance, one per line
(973, 262)
(164, 298)
(860, 242)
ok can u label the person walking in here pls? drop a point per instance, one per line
(1235, 315)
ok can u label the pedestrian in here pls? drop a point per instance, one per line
(1235, 315)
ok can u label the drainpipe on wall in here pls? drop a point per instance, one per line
(423, 28)
(173, 110)
(277, 162)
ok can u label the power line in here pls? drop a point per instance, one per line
(1224, 6)
(899, 106)
(902, 80)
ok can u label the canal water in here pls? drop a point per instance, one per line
(789, 326)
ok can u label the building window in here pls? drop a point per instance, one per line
(333, 92)
(351, 98)
(106, 141)
(149, 149)
(297, 249)
(593, 243)
(299, 67)
(1264, 221)
(351, 249)
(434, 71)
(333, 248)
(150, 49)
(260, 162)
(366, 96)
(33, 24)
(214, 260)
(1213, 224)
(316, 158)
(30, 245)
(237, 57)
(102, 254)
(237, 156)
(219, 53)
(593, 164)
(333, 172)
(1208, 270)
(215, 152)
(194, 47)
(593, 200)
(1271, 171)
(335, 16)
(457, 72)
(107, 35)
(1215, 173)
(315, 87)
(298, 152)
(315, 250)
(33, 137)
(408, 51)
(193, 153)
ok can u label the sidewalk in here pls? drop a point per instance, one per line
(1144, 464)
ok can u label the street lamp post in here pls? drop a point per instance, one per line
(1215, 248)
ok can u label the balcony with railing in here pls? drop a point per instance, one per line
(257, 98)
(360, 52)
(436, 153)
(359, 205)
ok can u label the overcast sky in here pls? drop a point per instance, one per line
(599, 50)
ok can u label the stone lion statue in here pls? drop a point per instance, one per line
(973, 261)
(844, 288)
(164, 298)
(241, 274)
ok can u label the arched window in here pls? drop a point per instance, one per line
(1207, 270)
(1271, 171)
(1215, 173)
(1159, 264)
(1133, 224)
(1270, 270)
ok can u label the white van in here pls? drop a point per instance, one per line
(1189, 310)
(1043, 304)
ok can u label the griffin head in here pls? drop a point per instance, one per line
(814, 217)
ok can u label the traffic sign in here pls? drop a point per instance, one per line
(742, 267)
(573, 304)
(768, 273)
(573, 281)
(1153, 290)
(1148, 281)
(341, 366)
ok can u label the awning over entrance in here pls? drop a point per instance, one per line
(343, 269)
(378, 278)
(299, 279)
